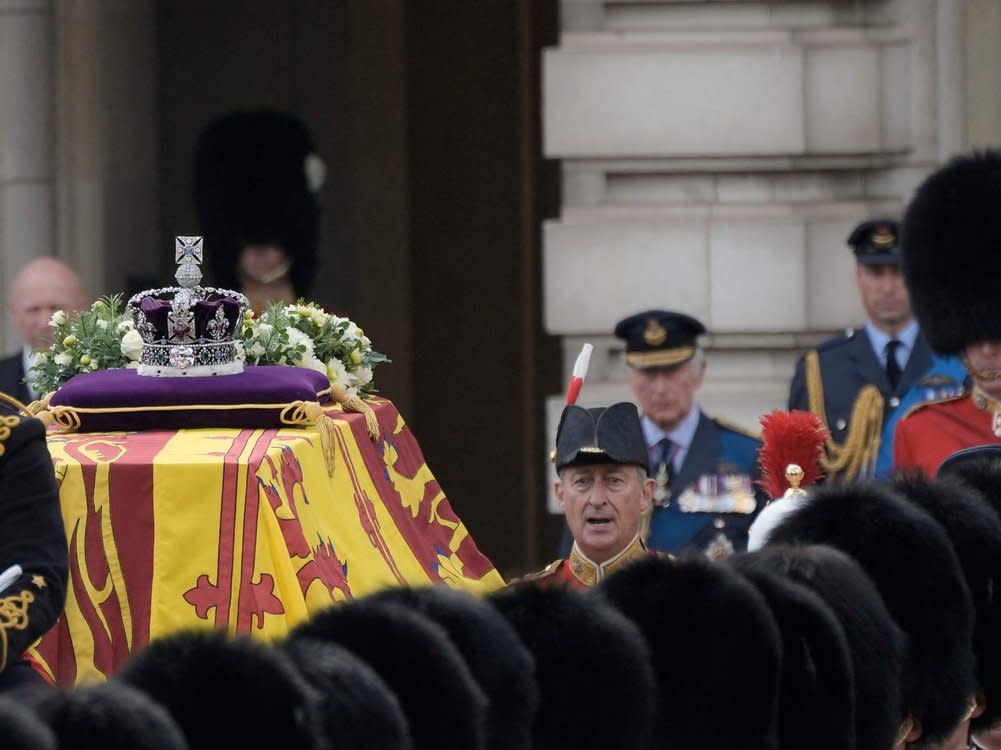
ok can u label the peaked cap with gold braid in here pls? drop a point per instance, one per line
(659, 338)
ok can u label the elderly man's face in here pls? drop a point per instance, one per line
(602, 504)
(40, 288)
(983, 360)
(665, 394)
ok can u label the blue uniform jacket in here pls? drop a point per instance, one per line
(720, 462)
(847, 364)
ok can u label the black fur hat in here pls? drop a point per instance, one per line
(253, 186)
(592, 665)
(207, 682)
(951, 235)
(502, 666)
(817, 689)
(112, 716)
(875, 643)
(21, 729)
(714, 645)
(443, 704)
(979, 467)
(358, 709)
(908, 556)
(975, 531)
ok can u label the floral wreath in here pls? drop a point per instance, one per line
(104, 337)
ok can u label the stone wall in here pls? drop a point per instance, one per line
(715, 156)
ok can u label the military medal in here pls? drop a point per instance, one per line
(661, 490)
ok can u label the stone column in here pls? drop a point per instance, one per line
(26, 142)
(715, 157)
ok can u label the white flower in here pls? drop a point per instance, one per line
(58, 319)
(362, 376)
(63, 359)
(241, 352)
(125, 326)
(255, 351)
(312, 363)
(298, 338)
(133, 365)
(132, 345)
(102, 324)
(40, 358)
(336, 373)
(94, 365)
(264, 329)
(352, 331)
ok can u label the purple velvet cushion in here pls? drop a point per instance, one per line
(124, 400)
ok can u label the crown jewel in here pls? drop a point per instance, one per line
(189, 329)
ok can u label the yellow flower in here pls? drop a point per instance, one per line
(69, 340)
(355, 357)
(85, 360)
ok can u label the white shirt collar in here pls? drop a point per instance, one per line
(682, 435)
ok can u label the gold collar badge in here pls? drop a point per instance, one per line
(655, 334)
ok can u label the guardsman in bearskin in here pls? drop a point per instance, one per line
(33, 553)
(952, 232)
(704, 469)
(603, 490)
(861, 382)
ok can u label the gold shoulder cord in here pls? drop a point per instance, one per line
(856, 456)
(13, 616)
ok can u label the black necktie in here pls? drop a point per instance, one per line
(892, 366)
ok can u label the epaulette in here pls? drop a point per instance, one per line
(835, 341)
(546, 572)
(942, 400)
(732, 427)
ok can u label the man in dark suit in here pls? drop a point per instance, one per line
(705, 470)
(40, 288)
(860, 383)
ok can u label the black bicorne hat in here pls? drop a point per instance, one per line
(602, 435)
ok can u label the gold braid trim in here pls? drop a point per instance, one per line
(7, 425)
(11, 401)
(644, 527)
(13, 616)
(856, 456)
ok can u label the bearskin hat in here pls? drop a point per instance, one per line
(21, 729)
(582, 648)
(706, 622)
(444, 705)
(951, 232)
(207, 683)
(817, 689)
(875, 643)
(975, 530)
(112, 716)
(909, 558)
(493, 651)
(255, 184)
(358, 709)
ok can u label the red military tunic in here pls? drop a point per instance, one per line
(580, 572)
(935, 430)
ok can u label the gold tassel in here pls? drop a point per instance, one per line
(856, 456)
(353, 403)
(325, 425)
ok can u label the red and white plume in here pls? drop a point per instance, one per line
(790, 437)
(579, 373)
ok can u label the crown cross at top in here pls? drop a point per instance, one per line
(187, 255)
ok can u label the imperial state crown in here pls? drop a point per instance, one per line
(189, 330)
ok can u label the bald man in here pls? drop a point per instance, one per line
(40, 288)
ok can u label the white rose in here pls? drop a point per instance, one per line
(40, 358)
(362, 376)
(125, 326)
(241, 353)
(58, 319)
(352, 331)
(63, 359)
(312, 363)
(264, 329)
(102, 324)
(255, 351)
(132, 345)
(337, 373)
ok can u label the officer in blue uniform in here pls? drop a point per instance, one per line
(705, 470)
(860, 383)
